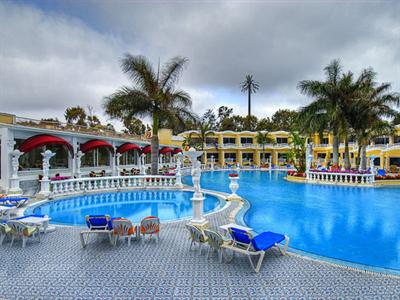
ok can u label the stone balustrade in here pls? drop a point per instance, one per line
(340, 178)
(87, 184)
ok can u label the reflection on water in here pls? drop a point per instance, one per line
(360, 225)
(134, 205)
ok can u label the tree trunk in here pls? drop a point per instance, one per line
(154, 146)
(347, 164)
(249, 100)
(363, 162)
(358, 158)
(335, 149)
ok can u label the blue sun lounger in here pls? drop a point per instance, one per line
(245, 243)
(97, 224)
(18, 201)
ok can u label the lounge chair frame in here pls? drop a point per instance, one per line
(103, 229)
(249, 251)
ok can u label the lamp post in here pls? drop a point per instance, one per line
(198, 199)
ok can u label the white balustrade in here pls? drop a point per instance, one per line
(340, 178)
(78, 185)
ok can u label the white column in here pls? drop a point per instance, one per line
(78, 161)
(212, 162)
(112, 161)
(7, 146)
(160, 159)
(14, 180)
(178, 174)
(142, 166)
(74, 151)
(45, 182)
(117, 169)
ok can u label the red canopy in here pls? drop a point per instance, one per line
(146, 149)
(166, 150)
(93, 144)
(177, 150)
(126, 147)
(42, 140)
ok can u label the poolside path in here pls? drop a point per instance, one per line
(58, 268)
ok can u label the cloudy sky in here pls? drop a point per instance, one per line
(55, 54)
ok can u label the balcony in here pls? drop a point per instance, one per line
(281, 145)
(211, 146)
(248, 146)
(229, 145)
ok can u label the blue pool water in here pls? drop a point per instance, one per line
(359, 225)
(133, 205)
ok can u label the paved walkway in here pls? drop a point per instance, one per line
(58, 268)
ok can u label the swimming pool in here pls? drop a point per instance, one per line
(133, 205)
(358, 225)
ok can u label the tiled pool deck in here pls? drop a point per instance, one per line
(58, 268)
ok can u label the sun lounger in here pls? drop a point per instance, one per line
(97, 224)
(245, 243)
(18, 201)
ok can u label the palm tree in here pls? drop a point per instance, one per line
(369, 111)
(262, 139)
(153, 94)
(250, 86)
(75, 114)
(204, 132)
(297, 151)
(325, 112)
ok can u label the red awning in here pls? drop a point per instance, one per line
(93, 144)
(42, 140)
(146, 149)
(177, 150)
(126, 147)
(166, 150)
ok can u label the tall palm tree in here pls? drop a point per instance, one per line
(325, 112)
(152, 94)
(262, 139)
(368, 112)
(250, 86)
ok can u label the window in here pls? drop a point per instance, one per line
(396, 139)
(33, 159)
(246, 140)
(129, 158)
(321, 155)
(325, 141)
(229, 140)
(377, 161)
(212, 154)
(394, 161)
(96, 157)
(211, 141)
(230, 157)
(265, 156)
(247, 157)
(383, 140)
(281, 140)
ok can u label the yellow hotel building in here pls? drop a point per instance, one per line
(241, 147)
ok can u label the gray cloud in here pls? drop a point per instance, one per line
(70, 52)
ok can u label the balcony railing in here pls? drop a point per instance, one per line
(229, 145)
